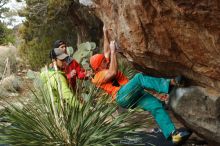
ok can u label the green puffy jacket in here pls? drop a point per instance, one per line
(54, 77)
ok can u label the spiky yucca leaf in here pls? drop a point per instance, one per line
(43, 122)
(126, 68)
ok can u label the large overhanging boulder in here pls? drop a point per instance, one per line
(199, 109)
(167, 37)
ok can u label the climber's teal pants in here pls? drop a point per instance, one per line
(132, 95)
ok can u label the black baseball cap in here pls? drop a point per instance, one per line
(57, 43)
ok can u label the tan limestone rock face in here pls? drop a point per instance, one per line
(168, 37)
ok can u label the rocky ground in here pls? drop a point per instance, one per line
(194, 139)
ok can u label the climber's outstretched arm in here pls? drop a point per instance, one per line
(106, 43)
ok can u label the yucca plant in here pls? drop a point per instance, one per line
(125, 67)
(42, 121)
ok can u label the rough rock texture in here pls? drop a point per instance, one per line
(167, 37)
(173, 37)
(202, 112)
(10, 85)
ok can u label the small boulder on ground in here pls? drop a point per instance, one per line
(199, 109)
(10, 84)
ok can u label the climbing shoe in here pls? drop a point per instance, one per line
(178, 81)
(180, 136)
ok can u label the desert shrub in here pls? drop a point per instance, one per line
(6, 35)
(7, 53)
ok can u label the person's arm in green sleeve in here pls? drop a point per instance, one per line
(65, 90)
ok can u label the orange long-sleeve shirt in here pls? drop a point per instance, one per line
(109, 87)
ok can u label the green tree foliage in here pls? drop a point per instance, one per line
(47, 21)
(6, 34)
(2, 8)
